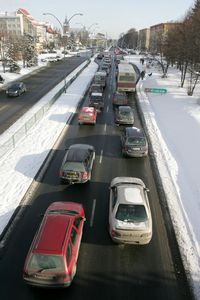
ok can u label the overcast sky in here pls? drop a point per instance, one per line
(112, 16)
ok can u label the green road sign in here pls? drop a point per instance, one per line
(155, 90)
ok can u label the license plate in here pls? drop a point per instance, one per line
(72, 175)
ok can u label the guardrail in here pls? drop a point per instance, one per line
(11, 143)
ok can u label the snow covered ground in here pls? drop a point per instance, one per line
(173, 124)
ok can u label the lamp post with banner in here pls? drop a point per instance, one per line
(63, 34)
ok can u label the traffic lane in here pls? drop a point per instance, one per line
(112, 165)
(102, 265)
(37, 86)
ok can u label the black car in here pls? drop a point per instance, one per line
(77, 164)
(96, 100)
(134, 142)
(120, 99)
(16, 89)
(96, 88)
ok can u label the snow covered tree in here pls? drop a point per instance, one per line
(28, 50)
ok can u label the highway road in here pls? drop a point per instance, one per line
(38, 85)
(105, 270)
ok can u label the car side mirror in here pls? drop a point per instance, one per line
(147, 190)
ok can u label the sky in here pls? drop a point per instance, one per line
(113, 17)
(173, 125)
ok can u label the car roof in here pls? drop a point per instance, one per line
(102, 73)
(78, 152)
(54, 222)
(58, 224)
(130, 194)
(134, 131)
(96, 94)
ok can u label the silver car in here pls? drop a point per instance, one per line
(130, 220)
(124, 115)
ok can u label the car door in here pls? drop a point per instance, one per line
(71, 265)
(123, 138)
(112, 204)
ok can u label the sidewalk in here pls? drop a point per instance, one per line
(173, 124)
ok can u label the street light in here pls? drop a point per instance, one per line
(88, 30)
(77, 14)
(50, 14)
(91, 26)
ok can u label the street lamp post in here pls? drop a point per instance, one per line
(61, 25)
(88, 30)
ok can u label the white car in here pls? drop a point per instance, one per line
(130, 220)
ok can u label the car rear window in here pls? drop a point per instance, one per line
(136, 141)
(131, 213)
(120, 97)
(74, 166)
(86, 114)
(43, 262)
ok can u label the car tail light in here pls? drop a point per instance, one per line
(85, 175)
(115, 233)
(61, 173)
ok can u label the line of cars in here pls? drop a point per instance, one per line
(133, 139)
(52, 258)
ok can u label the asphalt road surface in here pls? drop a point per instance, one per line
(38, 85)
(105, 270)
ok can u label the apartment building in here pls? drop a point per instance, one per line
(143, 39)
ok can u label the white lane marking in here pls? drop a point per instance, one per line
(107, 109)
(109, 96)
(101, 157)
(105, 127)
(92, 214)
(4, 106)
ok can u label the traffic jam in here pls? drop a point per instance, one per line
(52, 257)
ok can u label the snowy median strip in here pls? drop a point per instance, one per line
(168, 169)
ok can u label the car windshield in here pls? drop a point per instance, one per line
(42, 262)
(136, 141)
(74, 166)
(64, 212)
(131, 213)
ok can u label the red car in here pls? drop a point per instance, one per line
(87, 115)
(52, 257)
